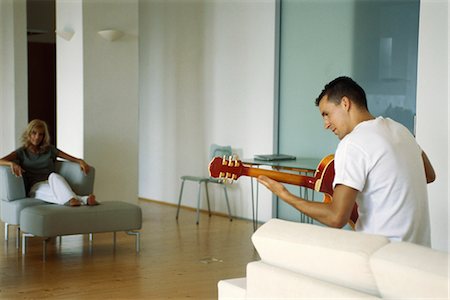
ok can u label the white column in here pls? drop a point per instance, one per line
(432, 110)
(13, 73)
(98, 92)
(69, 78)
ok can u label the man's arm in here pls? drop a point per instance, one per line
(334, 214)
(429, 171)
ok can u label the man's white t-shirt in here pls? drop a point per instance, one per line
(381, 159)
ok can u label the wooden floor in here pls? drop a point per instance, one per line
(177, 260)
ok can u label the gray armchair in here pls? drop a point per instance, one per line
(12, 191)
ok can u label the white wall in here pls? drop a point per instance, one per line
(433, 110)
(98, 93)
(206, 76)
(13, 74)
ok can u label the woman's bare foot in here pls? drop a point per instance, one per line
(91, 200)
(74, 202)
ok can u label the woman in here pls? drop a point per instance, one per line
(35, 162)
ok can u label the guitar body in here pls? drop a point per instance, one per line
(324, 177)
(322, 181)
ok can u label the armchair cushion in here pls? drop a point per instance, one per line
(10, 210)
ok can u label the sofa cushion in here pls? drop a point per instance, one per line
(334, 255)
(269, 282)
(406, 271)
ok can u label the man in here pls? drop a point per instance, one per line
(378, 165)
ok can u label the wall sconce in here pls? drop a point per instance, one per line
(110, 34)
(65, 34)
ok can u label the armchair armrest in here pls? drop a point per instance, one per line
(11, 187)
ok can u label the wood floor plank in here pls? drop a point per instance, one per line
(178, 260)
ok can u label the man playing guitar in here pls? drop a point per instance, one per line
(378, 165)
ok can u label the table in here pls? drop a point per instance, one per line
(301, 165)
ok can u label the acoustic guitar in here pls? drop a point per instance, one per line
(322, 181)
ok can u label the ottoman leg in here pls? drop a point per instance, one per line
(91, 242)
(138, 238)
(18, 237)
(44, 248)
(24, 241)
(6, 231)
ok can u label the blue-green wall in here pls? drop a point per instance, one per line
(375, 42)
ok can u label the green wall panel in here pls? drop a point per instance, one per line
(372, 41)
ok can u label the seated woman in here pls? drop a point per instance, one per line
(35, 162)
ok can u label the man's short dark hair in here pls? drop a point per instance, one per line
(344, 86)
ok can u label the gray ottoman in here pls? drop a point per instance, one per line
(52, 220)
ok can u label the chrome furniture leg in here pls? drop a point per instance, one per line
(137, 234)
(24, 242)
(179, 199)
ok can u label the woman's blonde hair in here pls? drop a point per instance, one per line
(27, 133)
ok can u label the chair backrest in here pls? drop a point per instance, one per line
(217, 150)
(81, 184)
(13, 188)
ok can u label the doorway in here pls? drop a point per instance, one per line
(42, 63)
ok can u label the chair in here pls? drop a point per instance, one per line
(215, 150)
(13, 198)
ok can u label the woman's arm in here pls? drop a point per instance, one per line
(8, 160)
(83, 165)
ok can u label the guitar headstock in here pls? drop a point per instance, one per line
(223, 168)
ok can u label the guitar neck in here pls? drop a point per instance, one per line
(299, 180)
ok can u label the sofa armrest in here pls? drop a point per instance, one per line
(11, 187)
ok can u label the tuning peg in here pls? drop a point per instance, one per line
(230, 162)
(224, 160)
(236, 160)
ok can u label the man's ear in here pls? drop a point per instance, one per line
(346, 103)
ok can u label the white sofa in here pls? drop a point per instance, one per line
(304, 261)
